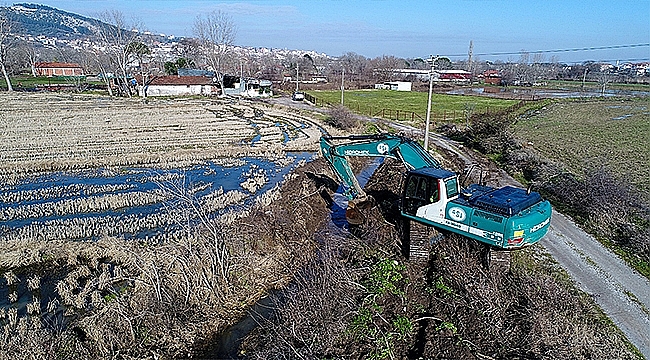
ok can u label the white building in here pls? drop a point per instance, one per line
(395, 85)
(179, 85)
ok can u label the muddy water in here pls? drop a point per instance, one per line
(25, 208)
(341, 202)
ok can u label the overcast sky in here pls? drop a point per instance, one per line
(409, 28)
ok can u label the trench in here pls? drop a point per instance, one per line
(226, 345)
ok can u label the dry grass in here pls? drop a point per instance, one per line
(46, 132)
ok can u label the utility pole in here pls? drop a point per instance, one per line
(297, 77)
(342, 84)
(431, 60)
(470, 55)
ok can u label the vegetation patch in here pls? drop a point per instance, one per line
(588, 134)
(449, 306)
(453, 108)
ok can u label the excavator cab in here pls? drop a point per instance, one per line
(428, 186)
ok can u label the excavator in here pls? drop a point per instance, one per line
(507, 218)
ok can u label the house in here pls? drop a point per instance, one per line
(395, 85)
(247, 87)
(50, 69)
(178, 85)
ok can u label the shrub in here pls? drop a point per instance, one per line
(342, 118)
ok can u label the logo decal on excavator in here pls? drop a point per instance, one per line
(457, 214)
(356, 153)
(382, 148)
(540, 225)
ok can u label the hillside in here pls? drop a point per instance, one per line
(41, 20)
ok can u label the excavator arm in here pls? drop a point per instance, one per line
(335, 149)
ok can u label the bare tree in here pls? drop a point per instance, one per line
(30, 55)
(603, 80)
(117, 41)
(384, 67)
(357, 66)
(7, 42)
(216, 34)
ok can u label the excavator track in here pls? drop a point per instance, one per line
(417, 239)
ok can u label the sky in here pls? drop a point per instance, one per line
(410, 28)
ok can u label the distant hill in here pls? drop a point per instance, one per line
(43, 20)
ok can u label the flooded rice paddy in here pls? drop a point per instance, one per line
(141, 203)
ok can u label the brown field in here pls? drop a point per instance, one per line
(45, 132)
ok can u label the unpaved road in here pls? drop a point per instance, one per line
(621, 292)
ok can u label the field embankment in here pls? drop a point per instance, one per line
(359, 298)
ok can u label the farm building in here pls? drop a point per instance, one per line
(50, 69)
(492, 77)
(178, 85)
(248, 87)
(452, 76)
(395, 85)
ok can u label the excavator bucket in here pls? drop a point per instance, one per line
(354, 216)
(353, 213)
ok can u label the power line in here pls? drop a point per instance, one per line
(592, 48)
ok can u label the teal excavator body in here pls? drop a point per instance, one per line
(504, 218)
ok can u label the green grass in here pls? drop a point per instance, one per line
(28, 82)
(447, 107)
(614, 133)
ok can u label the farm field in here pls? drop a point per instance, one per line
(46, 132)
(150, 228)
(447, 107)
(612, 133)
(81, 167)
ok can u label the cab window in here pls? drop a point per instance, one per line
(452, 187)
(422, 189)
(435, 194)
(411, 186)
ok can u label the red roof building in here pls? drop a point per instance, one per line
(58, 69)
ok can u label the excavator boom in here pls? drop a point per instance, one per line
(381, 145)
